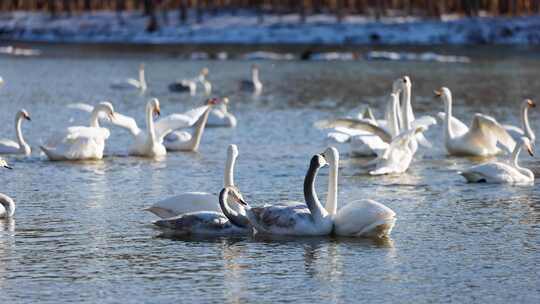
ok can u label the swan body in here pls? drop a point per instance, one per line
(7, 206)
(221, 117)
(213, 223)
(20, 146)
(253, 85)
(500, 172)
(481, 138)
(525, 129)
(79, 142)
(359, 218)
(294, 218)
(131, 83)
(196, 201)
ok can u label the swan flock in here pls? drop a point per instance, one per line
(391, 143)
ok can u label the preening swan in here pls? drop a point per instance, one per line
(197, 201)
(184, 141)
(131, 83)
(227, 222)
(190, 85)
(360, 218)
(78, 142)
(525, 130)
(500, 172)
(294, 218)
(7, 206)
(480, 139)
(8, 146)
(253, 85)
(221, 117)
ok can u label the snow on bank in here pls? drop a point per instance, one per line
(100, 27)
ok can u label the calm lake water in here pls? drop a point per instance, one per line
(79, 234)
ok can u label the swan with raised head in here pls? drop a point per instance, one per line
(190, 85)
(360, 218)
(501, 172)
(221, 117)
(525, 130)
(8, 146)
(226, 222)
(131, 83)
(480, 139)
(293, 218)
(196, 201)
(253, 85)
(183, 140)
(79, 142)
(7, 206)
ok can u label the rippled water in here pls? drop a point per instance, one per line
(79, 233)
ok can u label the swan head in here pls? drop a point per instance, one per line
(529, 103)
(225, 100)
(212, 101)
(204, 71)
(153, 107)
(24, 114)
(401, 84)
(420, 129)
(8, 204)
(331, 155)
(141, 67)
(105, 107)
(4, 164)
(443, 93)
(235, 195)
(232, 150)
(526, 144)
(318, 161)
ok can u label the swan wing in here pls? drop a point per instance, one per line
(364, 218)
(119, 120)
(76, 143)
(288, 218)
(514, 131)
(494, 172)
(357, 124)
(491, 128)
(8, 146)
(185, 203)
(204, 223)
(176, 121)
(458, 127)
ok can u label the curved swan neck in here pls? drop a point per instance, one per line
(232, 215)
(150, 124)
(255, 75)
(332, 195)
(310, 195)
(199, 130)
(94, 118)
(23, 146)
(515, 156)
(10, 208)
(228, 179)
(525, 122)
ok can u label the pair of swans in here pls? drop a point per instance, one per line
(8, 146)
(7, 204)
(80, 142)
(131, 83)
(501, 172)
(253, 85)
(190, 85)
(221, 117)
(480, 139)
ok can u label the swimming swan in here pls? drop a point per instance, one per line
(500, 172)
(131, 83)
(480, 139)
(190, 85)
(253, 85)
(8, 146)
(221, 117)
(227, 222)
(79, 142)
(196, 201)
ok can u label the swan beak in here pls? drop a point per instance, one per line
(212, 101)
(529, 149)
(531, 103)
(28, 118)
(157, 111)
(437, 93)
(111, 116)
(242, 202)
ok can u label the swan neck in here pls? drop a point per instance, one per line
(310, 195)
(94, 118)
(525, 123)
(228, 180)
(232, 215)
(199, 130)
(394, 119)
(150, 124)
(255, 76)
(515, 156)
(332, 195)
(142, 79)
(448, 117)
(406, 109)
(18, 131)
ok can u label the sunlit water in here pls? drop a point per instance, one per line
(79, 234)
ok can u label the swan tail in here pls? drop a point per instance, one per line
(49, 153)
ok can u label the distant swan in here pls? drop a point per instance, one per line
(8, 146)
(359, 218)
(480, 139)
(501, 172)
(253, 85)
(196, 201)
(131, 83)
(291, 218)
(525, 130)
(227, 222)
(190, 85)
(78, 142)
(221, 117)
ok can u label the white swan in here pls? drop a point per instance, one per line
(221, 117)
(8, 146)
(196, 201)
(503, 173)
(360, 218)
(480, 139)
(131, 83)
(78, 142)
(226, 222)
(184, 141)
(7, 206)
(4, 164)
(525, 130)
(190, 85)
(253, 85)
(294, 218)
